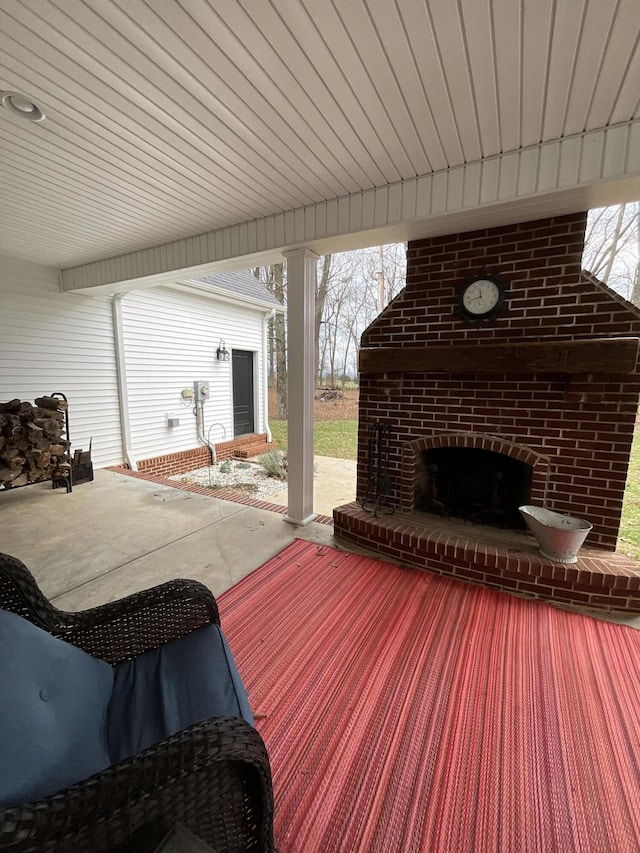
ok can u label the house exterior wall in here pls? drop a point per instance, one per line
(53, 341)
(170, 341)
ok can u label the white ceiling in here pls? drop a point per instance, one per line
(169, 118)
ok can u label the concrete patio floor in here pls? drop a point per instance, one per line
(334, 484)
(119, 534)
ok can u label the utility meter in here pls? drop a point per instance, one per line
(201, 391)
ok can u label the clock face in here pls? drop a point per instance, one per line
(481, 297)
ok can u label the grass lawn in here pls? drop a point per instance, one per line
(331, 438)
(629, 542)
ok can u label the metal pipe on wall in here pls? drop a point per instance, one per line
(265, 371)
(121, 375)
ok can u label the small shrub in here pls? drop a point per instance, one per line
(243, 465)
(225, 468)
(274, 463)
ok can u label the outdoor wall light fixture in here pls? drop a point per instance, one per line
(21, 106)
(222, 353)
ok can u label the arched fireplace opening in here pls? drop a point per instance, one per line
(474, 484)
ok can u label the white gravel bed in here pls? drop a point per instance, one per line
(250, 478)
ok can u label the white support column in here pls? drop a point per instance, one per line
(301, 295)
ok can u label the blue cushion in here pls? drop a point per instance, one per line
(172, 687)
(53, 707)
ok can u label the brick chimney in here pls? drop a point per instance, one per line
(551, 380)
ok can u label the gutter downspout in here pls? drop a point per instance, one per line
(265, 372)
(121, 374)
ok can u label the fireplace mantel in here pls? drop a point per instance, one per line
(595, 355)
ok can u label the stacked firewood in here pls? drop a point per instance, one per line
(32, 443)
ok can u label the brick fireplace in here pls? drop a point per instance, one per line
(546, 392)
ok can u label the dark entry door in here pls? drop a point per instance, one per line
(243, 414)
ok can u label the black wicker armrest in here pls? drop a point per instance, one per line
(145, 620)
(120, 629)
(213, 778)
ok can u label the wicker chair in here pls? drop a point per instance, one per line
(213, 778)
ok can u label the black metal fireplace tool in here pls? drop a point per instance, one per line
(378, 479)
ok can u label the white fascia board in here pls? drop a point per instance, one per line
(533, 182)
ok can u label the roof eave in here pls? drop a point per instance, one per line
(213, 292)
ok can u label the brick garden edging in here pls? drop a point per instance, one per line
(200, 457)
(220, 494)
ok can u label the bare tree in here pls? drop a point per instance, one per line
(280, 341)
(348, 289)
(330, 342)
(612, 248)
(355, 316)
(635, 293)
(359, 282)
(275, 280)
(321, 298)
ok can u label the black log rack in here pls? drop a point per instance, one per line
(59, 481)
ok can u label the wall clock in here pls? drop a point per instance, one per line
(482, 295)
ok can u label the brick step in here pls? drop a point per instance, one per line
(249, 450)
(250, 438)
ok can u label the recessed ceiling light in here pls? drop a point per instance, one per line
(21, 106)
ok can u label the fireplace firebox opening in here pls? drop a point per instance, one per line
(474, 484)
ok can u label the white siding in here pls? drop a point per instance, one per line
(170, 340)
(53, 341)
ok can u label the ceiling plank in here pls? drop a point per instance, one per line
(594, 39)
(565, 40)
(536, 44)
(614, 71)
(507, 27)
(451, 41)
(480, 49)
